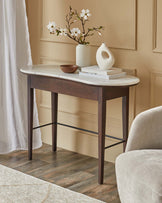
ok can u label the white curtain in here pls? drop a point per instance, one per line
(14, 53)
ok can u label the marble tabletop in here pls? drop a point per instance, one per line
(55, 71)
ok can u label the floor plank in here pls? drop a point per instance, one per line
(68, 169)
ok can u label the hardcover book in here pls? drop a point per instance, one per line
(109, 77)
(95, 69)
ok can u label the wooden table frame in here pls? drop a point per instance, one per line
(78, 89)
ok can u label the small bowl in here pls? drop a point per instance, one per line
(69, 68)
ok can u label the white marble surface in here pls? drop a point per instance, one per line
(17, 187)
(55, 71)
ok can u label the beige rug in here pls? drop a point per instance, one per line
(17, 187)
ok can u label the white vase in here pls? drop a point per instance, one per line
(83, 55)
(104, 57)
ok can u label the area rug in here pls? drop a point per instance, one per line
(17, 187)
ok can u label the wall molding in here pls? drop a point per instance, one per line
(154, 76)
(79, 132)
(155, 48)
(135, 24)
(93, 117)
(49, 40)
(79, 116)
(57, 61)
(154, 26)
(46, 39)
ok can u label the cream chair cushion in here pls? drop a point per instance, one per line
(139, 176)
(146, 130)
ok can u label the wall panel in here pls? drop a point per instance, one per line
(117, 33)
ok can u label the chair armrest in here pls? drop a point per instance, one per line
(146, 130)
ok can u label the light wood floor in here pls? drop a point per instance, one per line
(67, 169)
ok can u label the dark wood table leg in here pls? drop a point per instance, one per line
(101, 135)
(30, 118)
(125, 117)
(54, 103)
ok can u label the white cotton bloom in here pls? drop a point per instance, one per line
(85, 13)
(51, 26)
(75, 32)
(63, 31)
(52, 30)
(82, 13)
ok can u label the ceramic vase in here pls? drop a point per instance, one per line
(83, 55)
(104, 57)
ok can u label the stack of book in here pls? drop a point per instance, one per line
(94, 71)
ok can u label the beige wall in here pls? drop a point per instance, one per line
(133, 30)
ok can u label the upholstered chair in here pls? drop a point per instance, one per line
(139, 169)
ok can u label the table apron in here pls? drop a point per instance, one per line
(76, 89)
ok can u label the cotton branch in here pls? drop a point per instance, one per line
(75, 33)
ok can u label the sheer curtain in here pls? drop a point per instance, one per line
(14, 53)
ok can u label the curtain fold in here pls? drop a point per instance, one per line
(14, 53)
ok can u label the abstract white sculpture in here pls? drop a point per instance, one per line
(104, 57)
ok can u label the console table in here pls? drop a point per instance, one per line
(51, 78)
